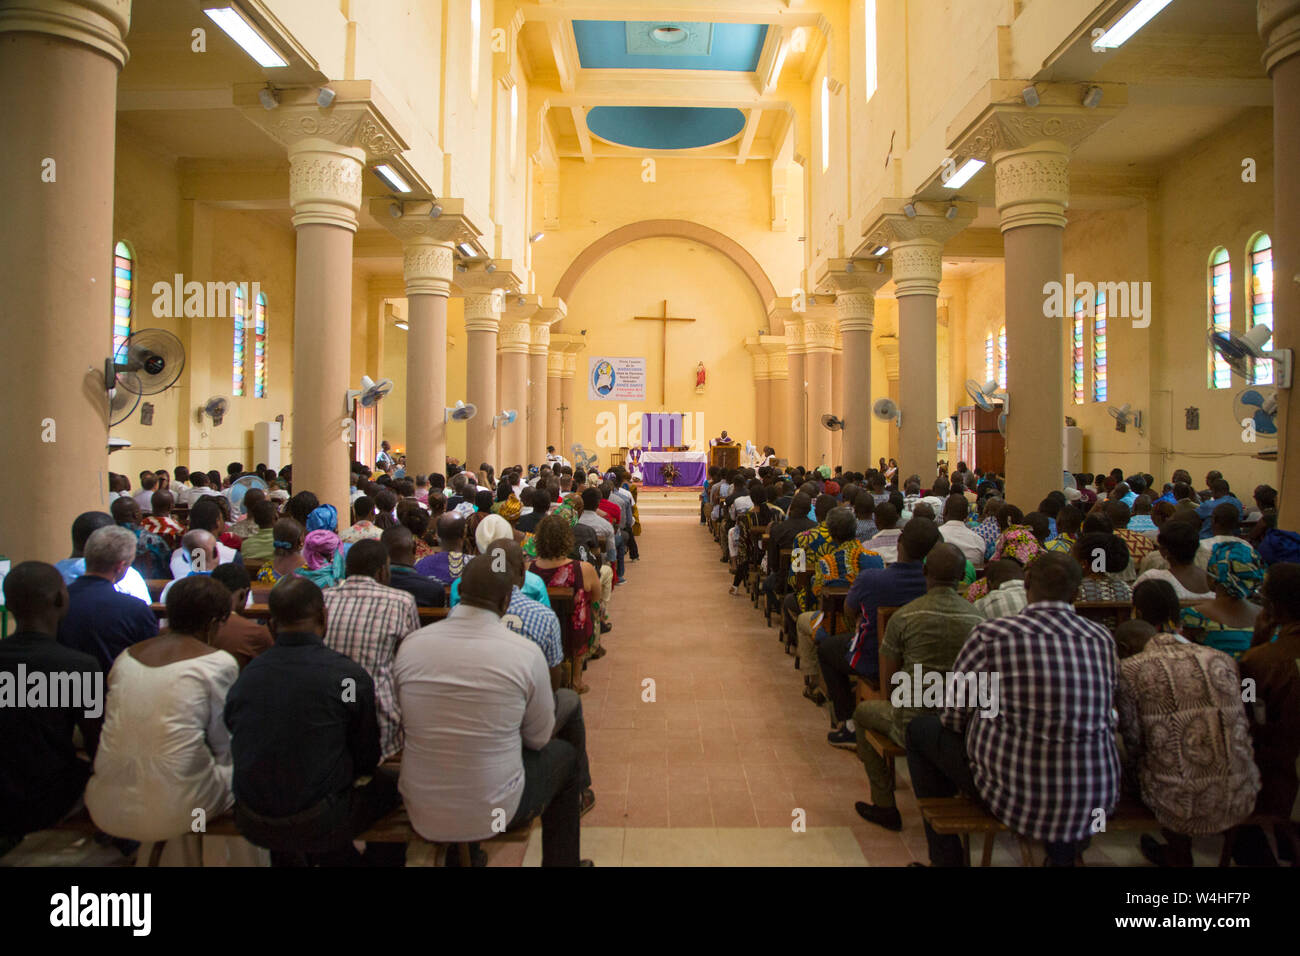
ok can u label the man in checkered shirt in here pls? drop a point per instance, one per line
(1044, 761)
(366, 620)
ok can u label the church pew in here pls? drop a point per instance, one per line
(394, 827)
(880, 743)
(962, 816)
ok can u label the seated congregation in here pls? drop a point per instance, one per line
(259, 677)
(1124, 653)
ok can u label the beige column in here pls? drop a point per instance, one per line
(427, 268)
(551, 312)
(837, 399)
(797, 393)
(1030, 153)
(427, 243)
(566, 403)
(819, 341)
(59, 65)
(554, 380)
(918, 267)
(761, 434)
(778, 396)
(514, 339)
(887, 345)
(482, 318)
(1279, 26)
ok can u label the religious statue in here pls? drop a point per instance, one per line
(699, 377)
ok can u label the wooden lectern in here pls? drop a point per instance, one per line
(726, 457)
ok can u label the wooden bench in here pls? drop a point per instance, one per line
(394, 827)
(962, 816)
(882, 744)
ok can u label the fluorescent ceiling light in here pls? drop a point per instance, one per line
(536, 237)
(1130, 23)
(392, 178)
(402, 324)
(879, 250)
(466, 250)
(237, 26)
(963, 175)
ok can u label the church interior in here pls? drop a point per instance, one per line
(736, 265)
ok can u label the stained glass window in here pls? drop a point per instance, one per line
(1099, 364)
(237, 383)
(1002, 357)
(989, 357)
(123, 289)
(1076, 353)
(1259, 299)
(259, 346)
(1220, 313)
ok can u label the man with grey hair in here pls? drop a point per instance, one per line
(200, 554)
(101, 621)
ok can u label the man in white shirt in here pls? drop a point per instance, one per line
(478, 712)
(954, 530)
(554, 459)
(83, 527)
(144, 497)
(204, 516)
(885, 541)
(200, 489)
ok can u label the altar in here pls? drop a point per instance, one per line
(692, 468)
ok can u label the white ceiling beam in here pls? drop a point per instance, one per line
(584, 134)
(747, 135)
(565, 51)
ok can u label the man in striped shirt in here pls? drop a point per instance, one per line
(366, 620)
(1043, 759)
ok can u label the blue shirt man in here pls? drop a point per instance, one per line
(102, 622)
(1221, 496)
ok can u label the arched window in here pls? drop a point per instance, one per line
(476, 41)
(1259, 298)
(990, 358)
(869, 45)
(826, 123)
(1220, 313)
(237, 363)
(123, 293)
(1076, 353)
(1099, 356)
(259, 346)
(1002, 358)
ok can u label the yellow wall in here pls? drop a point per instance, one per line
(698, 282)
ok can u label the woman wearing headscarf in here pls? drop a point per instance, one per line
(1227, 621)
(495, 528)
(1018, 544)
(323, 557)
(287, 559)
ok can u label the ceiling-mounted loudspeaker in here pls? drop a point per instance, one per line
(887, 410)
(1237, 349)
(460, 412)
(1124, 416)
(832, 422)
(1259, 406)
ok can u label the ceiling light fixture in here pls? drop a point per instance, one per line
(324, 97)
(402, 324)
(1130, 23)
(879, 251)
(1092, 98)
(391, 177)
(536, 237)
(236, 25)
(668, 35)
(268, 98)
(963, 175)
(466, 250)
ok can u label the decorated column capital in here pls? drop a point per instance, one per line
(819, 325)
(1030, 146)
(855, 311)
(516, 331)
(325, 183)
(794, 337)
(1279, 28)
(551, 312)
(778, 366)
(915, 242)
(101, 25)
(483, 311)
(427, 266)
(562, 359)
(762, 359)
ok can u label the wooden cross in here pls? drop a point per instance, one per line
(665, 319)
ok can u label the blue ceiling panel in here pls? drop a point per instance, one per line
(623, 44)
(664, 127)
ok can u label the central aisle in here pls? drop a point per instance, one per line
(711, 771)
